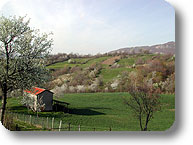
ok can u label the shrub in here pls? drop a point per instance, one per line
(168, 86)
(144, 100)
(139, 61)
(59, 72)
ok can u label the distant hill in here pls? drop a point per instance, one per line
(166, 48)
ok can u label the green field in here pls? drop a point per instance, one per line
(132, 59)
(104, 110)
(109, 74)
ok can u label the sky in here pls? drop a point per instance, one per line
(97, 26)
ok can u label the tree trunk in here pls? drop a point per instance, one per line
(4, 88)
(147, 120)
(145, 129)
(4, 105)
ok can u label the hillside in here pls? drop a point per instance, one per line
(166, 48)
(110, 73)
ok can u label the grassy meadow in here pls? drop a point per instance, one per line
(104, 110)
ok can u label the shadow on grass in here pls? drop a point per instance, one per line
(18, 109)
(24, 110)
(86, 111)
(77, 111)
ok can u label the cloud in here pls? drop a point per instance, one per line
(89, 26)
(2, 3)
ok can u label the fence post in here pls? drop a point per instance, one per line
(69, 127)
(52, 123)
(30, 119)
(42, 122)
(60, 125)
(24, 117)
(78, 127)
(47, 123)
(17, 128)
(36, 119)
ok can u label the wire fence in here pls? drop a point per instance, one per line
(51, 123)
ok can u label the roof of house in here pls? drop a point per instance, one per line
(35, 91)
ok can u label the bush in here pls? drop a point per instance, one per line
(59, 91)
(168, 86)
(139, 61)
(59, 72)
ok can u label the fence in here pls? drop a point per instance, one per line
(52, 124)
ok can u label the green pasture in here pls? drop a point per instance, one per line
(104, 110)
(109, 74)
(130, 60)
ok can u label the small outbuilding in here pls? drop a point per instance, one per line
(46, 97)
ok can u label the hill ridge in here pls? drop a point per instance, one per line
(165, 48)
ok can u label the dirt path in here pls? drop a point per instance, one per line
(111, 60)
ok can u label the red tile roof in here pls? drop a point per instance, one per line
(35, 91)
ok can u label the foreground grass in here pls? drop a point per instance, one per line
(26, 126)
(104, 110)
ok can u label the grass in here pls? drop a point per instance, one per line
(80, 60)
(127, 61)
(132, 59)
(109, 74)
(104, 110)
(96, 60)
(26, 126)
(60, 65)
(88, 61)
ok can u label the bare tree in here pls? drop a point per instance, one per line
(144, 100)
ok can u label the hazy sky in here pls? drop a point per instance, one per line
(92, 26)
